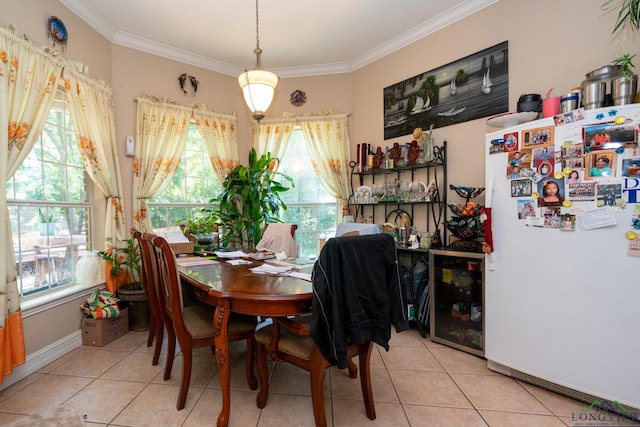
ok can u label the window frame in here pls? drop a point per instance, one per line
(188, 207)
(33, 300)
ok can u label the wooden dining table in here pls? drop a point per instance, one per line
(235, 288)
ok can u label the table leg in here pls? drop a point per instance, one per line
(220, 321)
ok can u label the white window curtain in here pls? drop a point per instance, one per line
(28, 83)
(327, 137)
(94, 124)
(328, 144)
(272, 136)
(219, 132)
(161, 134)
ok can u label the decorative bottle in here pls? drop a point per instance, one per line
(428, 146)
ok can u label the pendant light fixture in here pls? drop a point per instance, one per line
(258, 86)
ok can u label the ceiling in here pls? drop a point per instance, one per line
(298, 37)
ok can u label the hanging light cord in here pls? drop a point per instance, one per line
(257, 50)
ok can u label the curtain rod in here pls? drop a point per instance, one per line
(305, 118)
(193, 108)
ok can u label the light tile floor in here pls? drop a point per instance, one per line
(417, 383)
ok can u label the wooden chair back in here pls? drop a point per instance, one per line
(191, 326)
(294, 227)
(290, 340)
(149, 282)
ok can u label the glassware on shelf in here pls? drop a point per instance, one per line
(425, 240)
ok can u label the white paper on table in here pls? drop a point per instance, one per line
(270, 269)
(238, 261)
(175, 237)
(234, 254)
(303, 276)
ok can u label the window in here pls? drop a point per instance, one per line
(195, 184)
(50, 207)
(309, 205)
(191, 188)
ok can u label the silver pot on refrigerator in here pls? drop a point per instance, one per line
(593, 94)
(623, 89)
(594, 88)
(570, 101)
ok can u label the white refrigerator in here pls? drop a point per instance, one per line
(562, 293)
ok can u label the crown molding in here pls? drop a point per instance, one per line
(418, 32)
(91, 17)
(160, 49)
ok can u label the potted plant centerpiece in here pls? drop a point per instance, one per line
(124, 268)
(47, 224)
(250, 199)
(202, 226)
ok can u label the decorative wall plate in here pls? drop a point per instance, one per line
(298, 98)
(57, 31)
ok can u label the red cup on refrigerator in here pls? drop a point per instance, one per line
(551, 106)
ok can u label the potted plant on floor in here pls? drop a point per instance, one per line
(124, 268)
(250, 199)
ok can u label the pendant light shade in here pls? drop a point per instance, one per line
(258, 86)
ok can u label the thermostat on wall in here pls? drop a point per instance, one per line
(128, 146)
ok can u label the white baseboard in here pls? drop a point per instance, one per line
(42, 358)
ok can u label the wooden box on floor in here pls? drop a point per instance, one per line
(100, 332)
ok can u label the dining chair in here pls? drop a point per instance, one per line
(279, 237)
(344, 228)
(354, 305)
(156, 324)
(45, 264)
(192, 325)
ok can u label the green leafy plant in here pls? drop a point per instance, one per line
(47, 215)
(250, 199)
(201, 222)
(628, 14)
(625, 64)
(125, 259)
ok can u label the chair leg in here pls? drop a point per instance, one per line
(365, 381)
(317, 393)
(159, 333)
(251, 361)
(171, 352)
(186, 377)
(54, 272)
(152, 330)
(263, 373)
(353, 369)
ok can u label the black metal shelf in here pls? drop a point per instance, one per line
(434, 171)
